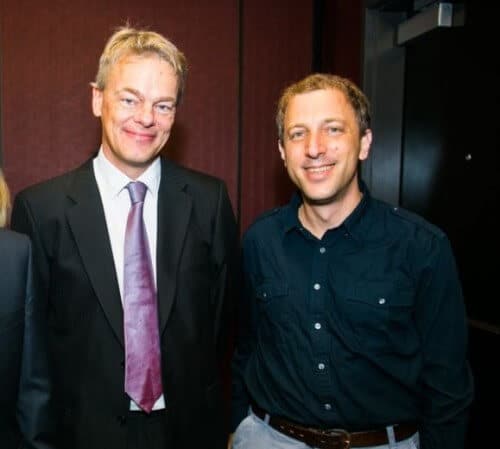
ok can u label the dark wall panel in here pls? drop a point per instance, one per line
(342, 33)
(449, 175)
(451, 151)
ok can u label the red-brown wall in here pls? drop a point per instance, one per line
(49, 57)
(277, 50)
(241, 54)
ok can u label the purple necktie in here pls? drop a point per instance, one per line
(142, 341)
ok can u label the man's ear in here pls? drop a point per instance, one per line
(96, 100)
(282, 151)
(366, 143)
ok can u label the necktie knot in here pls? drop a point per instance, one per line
(137, 191)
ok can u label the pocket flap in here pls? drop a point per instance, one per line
(271, 289)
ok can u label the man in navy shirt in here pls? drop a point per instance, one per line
(353, 317)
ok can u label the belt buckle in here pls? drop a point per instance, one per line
(343, 435)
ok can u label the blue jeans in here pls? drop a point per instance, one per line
(253, 433)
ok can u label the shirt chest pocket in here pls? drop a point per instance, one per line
(380, 315)
(273, 311)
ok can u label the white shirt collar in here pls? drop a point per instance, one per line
(115, 180)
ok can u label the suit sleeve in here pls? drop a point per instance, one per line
(34, 412)
(246, 335)
(226, 253)
(23, 221)
(33, 409)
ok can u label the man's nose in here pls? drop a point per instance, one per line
(145, 115)
(314, 145)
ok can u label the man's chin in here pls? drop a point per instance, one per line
(141, 163)
(318, 200)
(141, 160)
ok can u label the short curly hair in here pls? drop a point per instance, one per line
(320, 81)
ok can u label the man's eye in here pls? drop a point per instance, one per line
(296, 135)
(333, 129)
(127, 101)
(165, 108)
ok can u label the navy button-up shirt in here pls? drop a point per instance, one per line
(362, 328)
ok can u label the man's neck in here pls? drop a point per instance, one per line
(319, 218)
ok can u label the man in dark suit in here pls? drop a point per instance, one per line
(78, 225)
(24, 390)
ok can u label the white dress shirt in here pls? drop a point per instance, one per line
(115, 198)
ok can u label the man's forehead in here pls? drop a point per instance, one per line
(321, 102)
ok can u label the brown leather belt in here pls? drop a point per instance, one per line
(334, 438)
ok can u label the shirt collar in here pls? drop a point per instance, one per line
(116, 180)
(352, 224)
(290, 216)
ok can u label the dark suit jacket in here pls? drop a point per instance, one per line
(23, 377)
(197, 250)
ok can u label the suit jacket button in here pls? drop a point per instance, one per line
(122, 363)
(121, 420)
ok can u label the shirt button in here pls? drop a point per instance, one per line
(316, 286)
(317, 326)
(327, 406)
(321, 366)
(322, 250)
(381, 301)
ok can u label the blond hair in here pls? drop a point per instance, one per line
(127, 41)
(320, 81)
(4, 200)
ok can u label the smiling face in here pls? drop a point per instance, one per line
(321, 147)
(137, 111)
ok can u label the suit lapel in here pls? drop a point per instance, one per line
(174, 209)
(88, 224)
